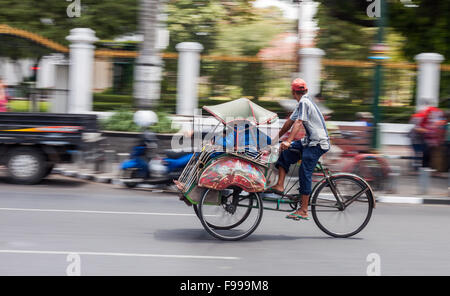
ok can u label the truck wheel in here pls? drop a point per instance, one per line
(26, 165)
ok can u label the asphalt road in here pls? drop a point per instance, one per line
(114, 231)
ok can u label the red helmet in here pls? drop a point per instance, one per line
(299, 85)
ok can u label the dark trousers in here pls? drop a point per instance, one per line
(310, 156)
(426, 158)
(448, 156)
(418, 154)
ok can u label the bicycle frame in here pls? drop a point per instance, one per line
(327, 178)
(336, 192)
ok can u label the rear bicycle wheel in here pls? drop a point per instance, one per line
(231, 214)
(345, 211)
(231, 221)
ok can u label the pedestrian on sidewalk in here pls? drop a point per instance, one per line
(3, 97)
(417, 137)
(447, 140)
(433, 123)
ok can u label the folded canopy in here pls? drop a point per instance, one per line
(241, 109)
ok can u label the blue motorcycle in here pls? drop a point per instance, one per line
(148, 165)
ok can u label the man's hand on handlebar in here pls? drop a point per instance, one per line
(285, 145)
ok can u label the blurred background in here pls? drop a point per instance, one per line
(101, 91)
(369, 63)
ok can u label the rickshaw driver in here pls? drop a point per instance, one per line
(313, 145)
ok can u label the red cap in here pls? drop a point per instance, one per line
(299, 85)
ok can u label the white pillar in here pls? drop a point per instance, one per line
(428, 77)
(310, 68)
(81, 69)
(59, 101)
(46, 73)
(188, 72)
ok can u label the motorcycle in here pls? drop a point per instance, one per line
(147, 165)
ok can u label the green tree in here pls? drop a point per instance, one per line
(342, 39)
(247, 38)
(109, 18)
(195, 21)
(424, 23)
(426, 28)
(421, 25)
(201, 20)
(16, 48)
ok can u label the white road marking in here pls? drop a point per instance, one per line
(94, 212)
(115, 254)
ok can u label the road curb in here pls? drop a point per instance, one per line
(379, 199)
(412, 200)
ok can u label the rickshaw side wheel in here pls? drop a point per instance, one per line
(247, 213)
(196, 210)
(255, 202)
(209, 224)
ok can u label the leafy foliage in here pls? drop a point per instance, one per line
(425, 23)
(245, 38)
(344, 40)
(16, 48)
(122, 120)
(426, 26)
(346, 29)
(194, 21)
(109, 18)
(248, 37)
(201, 20)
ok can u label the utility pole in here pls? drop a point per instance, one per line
(299, 32)
(148, 66)
(378, 51)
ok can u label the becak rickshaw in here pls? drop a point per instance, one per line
(226, 182)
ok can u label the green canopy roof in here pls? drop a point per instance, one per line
(241, 109)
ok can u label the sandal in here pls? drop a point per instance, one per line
(296, 217)
(278, 192)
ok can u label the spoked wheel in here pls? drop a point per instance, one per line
(344, 210)
(230, 222)
(230, 214)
